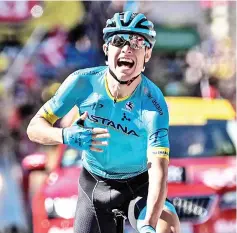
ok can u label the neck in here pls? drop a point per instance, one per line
(120, 91)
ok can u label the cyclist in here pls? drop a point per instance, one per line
(122, 131)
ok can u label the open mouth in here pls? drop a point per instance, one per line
(125, 62)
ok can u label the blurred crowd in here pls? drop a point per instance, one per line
(32, 70)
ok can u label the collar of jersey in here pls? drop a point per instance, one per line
(109, 94)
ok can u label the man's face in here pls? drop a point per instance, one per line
(127, 62)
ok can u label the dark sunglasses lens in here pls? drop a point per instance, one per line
(118, 41)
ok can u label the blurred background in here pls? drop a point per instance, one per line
(42, 42)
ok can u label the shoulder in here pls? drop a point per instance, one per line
(153, 97)
(89, 72)
(83, 78)
(154, 111)
(80, 80)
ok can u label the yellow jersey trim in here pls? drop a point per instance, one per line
(109, 94)
(160, 152)
(48, 114)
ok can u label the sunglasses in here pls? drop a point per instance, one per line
(134, 41)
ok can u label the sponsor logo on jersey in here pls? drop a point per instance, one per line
(160, 133)
(48, 114)
(97, 105)
(112, 124)
(125, 118)
(161, 152)
(87, 71)
(129, 106)
(155, 103)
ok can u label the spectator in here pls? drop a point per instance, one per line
(79, 50)
(50, 54)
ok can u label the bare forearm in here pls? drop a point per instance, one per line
(40, 131)
(156, 197)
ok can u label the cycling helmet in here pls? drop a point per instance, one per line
(131, 23)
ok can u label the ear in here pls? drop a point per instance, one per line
(148, 55)
(105, 49)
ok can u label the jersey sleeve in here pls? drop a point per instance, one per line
(157, 117)
(64, 99)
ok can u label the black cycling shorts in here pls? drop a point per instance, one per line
(99, 196)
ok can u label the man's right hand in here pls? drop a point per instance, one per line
(85, 138)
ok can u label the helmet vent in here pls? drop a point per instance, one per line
(133, 15)
(139, 24)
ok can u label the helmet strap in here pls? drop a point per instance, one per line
(144, 65)
(144, 62)
(128, 82)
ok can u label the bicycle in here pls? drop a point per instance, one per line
(119, 219)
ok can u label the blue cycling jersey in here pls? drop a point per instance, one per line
(138, 124)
